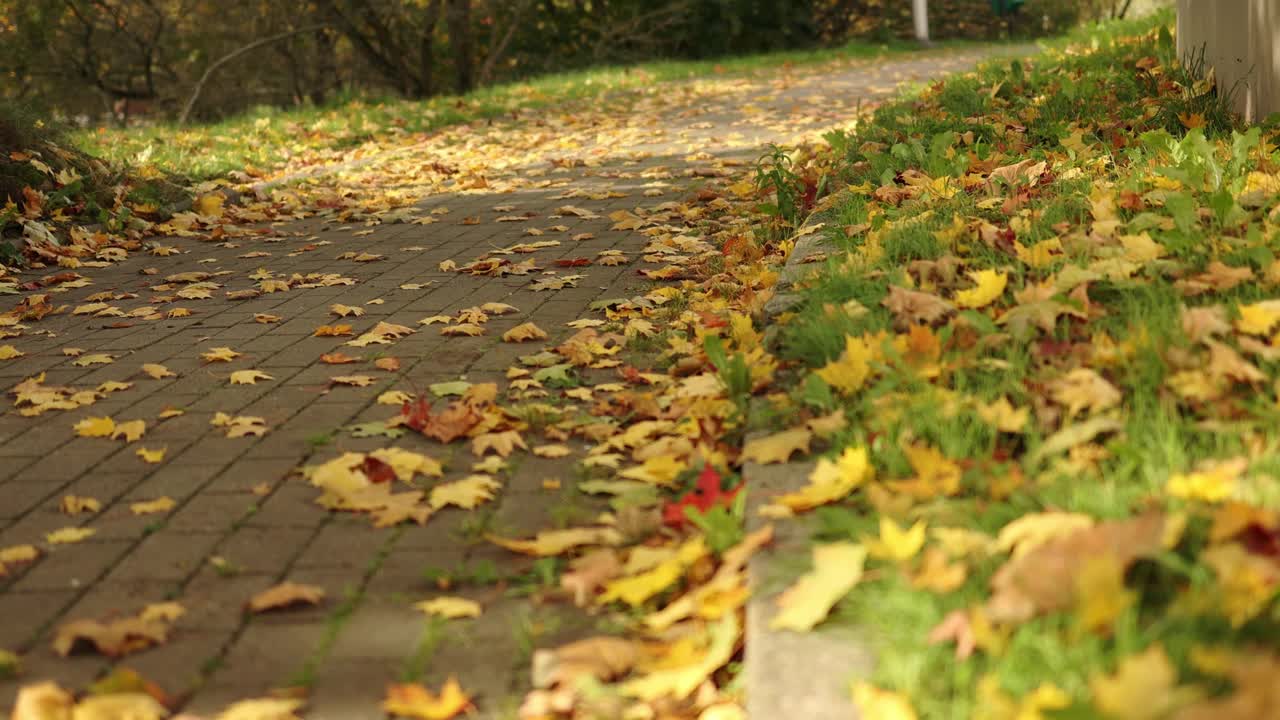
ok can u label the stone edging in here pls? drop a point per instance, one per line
(789, 674)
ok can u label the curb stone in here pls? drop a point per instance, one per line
(785, 298)
(789, 674)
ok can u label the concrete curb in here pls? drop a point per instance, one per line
(789, 674)
(784, 296)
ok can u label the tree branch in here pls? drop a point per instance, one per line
(208, 72)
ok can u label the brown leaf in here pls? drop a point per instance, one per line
(113, 639)
(910, 307)
(285, 595)
(1043, 580)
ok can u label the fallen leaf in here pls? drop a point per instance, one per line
(450, 607)
(777, 448)
(113, 639)
(285, 595)
(157, 372)
(220, 354)
(151, 456)
(467, 493)
(831, 481)
(129, 431)
(548, 543)
(248, 377)
(524, 332)
(415, 701)
(95, 359)
(837, 567)
(989, 286)
(68, 535)
(75, 505)
(95, 427)
(150, 507)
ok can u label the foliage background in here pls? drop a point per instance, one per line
(121, 60)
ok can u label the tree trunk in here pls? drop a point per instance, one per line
(459, 19)
(427, 54)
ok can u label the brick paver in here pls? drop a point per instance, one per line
(236, 498)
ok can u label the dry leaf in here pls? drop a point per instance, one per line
(248, 377)
(285, 595)
(837, 567)
(450, 607)
(150, 507)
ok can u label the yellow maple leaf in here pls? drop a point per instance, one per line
(151, 507)
(837, 567)
(68, 535)
(18, 554)
(450, 607)
(1101, 595)
(556, 542)
(850, 371)
(407, 463)
(129, 431)
(1141, 248)
(263, 709)
(394, 397)
(1258, 318)
(679, 682)
(777, 448)
(95, 359)
(470, 329)
(895, 543)
(467, 493)
(219, 354)
(935, 473)
(524, 332)
(1032, 530)
(551, 451)
(636, 589)
(1212, 483)
(831, 480)
(75, 505)
(248, 377)
(346, 310)
(1003, 416)
(1246, 582)
(1143, 687)
(938, 575)
(502, 443)
(151, 456)
(156, 371)
(415, 701)
(660, 470)
(990, 285)
(95, 427)
(876, 704)
(9, 352)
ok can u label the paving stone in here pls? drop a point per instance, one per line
(166, 555)
(27, 612)
(71, 567)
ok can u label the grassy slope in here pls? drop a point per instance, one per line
(1085, 111)
(267, 136)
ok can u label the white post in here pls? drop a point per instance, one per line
(1241, 39)
(920, 14)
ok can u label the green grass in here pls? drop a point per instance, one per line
(260, 140)
(1105, 130)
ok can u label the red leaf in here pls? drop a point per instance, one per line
(704, 496)
(417, 413)
(573, 262)
(377, 471)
